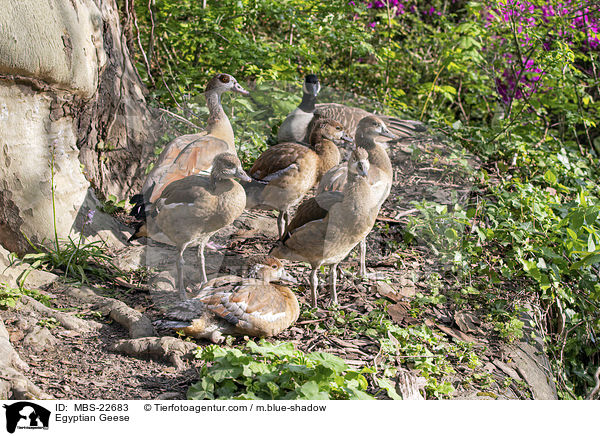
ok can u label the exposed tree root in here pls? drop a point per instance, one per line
(69, 322)
(137, 324)
(168, 348)
(13, 384)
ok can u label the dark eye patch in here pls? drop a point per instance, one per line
(224, 78)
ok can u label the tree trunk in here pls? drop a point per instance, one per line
(72, 108)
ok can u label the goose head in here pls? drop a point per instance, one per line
(326, 128)
(358, 164)
(224, 82)
(269, 269)
(311, 85)
(371, 127)
(228, 166)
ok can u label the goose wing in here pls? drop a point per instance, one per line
(278, 160)
(196, 157)
(313, 209)
(350, 116)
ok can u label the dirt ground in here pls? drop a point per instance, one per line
(79, 365)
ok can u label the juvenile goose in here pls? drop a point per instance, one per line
(327, 227)
(294, 128)
(232, 305)
(191, 154)
(285, 172)
(190, 210)
(380, 172)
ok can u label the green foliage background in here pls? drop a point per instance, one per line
(532, 224)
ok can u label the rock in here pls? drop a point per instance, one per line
(40, 339)
(531, 362)
(11, 274)
(467, 322)
(131, 258)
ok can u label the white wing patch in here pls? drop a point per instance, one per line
(174, 205)
(268, 316)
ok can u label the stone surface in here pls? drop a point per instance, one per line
(11, 274)
(39, 339)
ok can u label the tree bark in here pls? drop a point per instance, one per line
(72, 110)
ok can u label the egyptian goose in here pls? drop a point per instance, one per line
(232, 305)
(380, 172)
(294, 128)
(193, 153)
(191, 209)
(327, 227)
(285, 172)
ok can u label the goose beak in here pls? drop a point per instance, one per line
(363, 169)
(312, 89)
(238, 88)
(346, 138)
(385, 132)
(285, 276)
(241, 174)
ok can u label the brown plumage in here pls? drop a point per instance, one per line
(285, 172)
(326, 228)
(190, 210)
(380, 171)
(297, 125)
(193, 153)
(350, 117)
(232, 305)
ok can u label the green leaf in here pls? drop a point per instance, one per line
(550, 177)
(389, 386)
(591, 244)
(310, 391)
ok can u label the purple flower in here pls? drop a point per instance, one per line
(89, 217)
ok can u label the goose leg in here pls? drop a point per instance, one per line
(363, 257)
(314, 283)
(281, 223)
(286, 219)
(202, 261)
(180, 262)
(333, 276)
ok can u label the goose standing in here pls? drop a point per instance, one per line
(327, 227)
(285, 172)
(191, 209)
(232, 305)
(380, 172)
(193, 153)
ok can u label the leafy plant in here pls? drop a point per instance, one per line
(10, 296)
(275, 371)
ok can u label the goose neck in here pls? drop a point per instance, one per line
(215, 109)
(308, 103)
(218, 123)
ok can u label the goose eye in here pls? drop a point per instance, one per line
(224, 78)
(274, 266)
